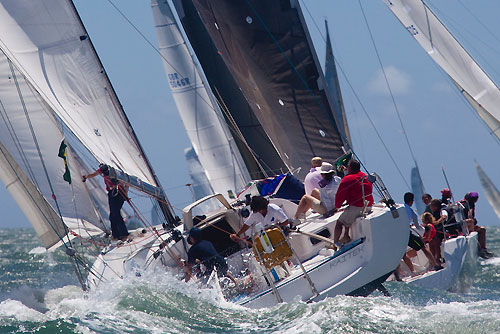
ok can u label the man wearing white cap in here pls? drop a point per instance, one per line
(313, 178)
(322, 199)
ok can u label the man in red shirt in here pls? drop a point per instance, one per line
(351, 191)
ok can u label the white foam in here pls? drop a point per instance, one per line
(37, 250)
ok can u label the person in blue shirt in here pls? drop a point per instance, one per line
(204, 252)
(415, 241)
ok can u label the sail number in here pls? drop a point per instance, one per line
(177, 81)
(412, 30)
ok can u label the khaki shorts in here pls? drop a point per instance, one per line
(348, 217)
(318, 207)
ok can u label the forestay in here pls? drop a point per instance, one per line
(447, 52)
(31, 139)
(205, 125)
(49, 45)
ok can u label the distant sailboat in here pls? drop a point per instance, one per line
(492, 193)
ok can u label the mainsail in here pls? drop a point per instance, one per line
(492, 193)
(267, 50)
(333, 90)
(447, 52)
(212, 142)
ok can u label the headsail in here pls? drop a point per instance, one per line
(267, 49)
(49, 45)
(212, 142)
(492, 193)
(333, 90)
(447, 52)
(417, 187)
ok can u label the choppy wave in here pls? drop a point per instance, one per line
(46, 299)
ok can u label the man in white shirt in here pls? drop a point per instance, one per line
(313, 178)
(322, 199)
(264, 213)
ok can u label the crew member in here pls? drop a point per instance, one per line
(351, 190)
(262, 212)
(203, 252)
(117, 195)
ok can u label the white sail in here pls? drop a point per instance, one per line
(46, 222)
(49, 45)
(200, 186)
(447, 52)
(492, 193)
(417, 187)
(32, 136)
(202, 118)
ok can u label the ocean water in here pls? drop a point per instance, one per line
(40, 294)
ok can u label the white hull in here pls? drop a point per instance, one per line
(459, 253)
(379, 242)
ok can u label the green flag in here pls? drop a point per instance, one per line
(62, 154)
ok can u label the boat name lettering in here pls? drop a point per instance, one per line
(177, 81)
(347, 256)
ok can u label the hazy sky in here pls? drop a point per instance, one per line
(441, 126)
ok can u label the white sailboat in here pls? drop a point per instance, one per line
(314, 271)
(491, 191)
(479, 90)
(58, 89)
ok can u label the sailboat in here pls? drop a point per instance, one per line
(308, 269)
(483, 95)
(491, 191)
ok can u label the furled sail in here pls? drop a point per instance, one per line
(49, 45)
(212, 142)
(333, 90)
(447, 52)
(492, 193)
(267, 49)
(32, 137)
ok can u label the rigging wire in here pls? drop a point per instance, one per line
(361, 104)
(387, 83)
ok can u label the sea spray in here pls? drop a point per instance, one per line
(46, 299)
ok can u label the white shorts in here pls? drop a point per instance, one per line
(348, 217)
(318, 207)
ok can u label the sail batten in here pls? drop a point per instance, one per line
(476, 86)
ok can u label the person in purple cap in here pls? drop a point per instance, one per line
(469, 203)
